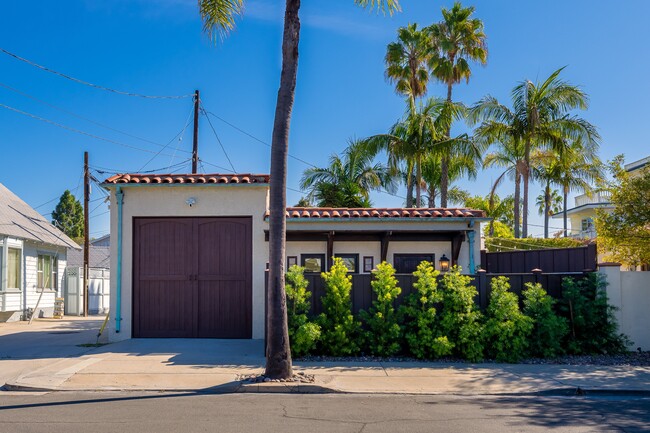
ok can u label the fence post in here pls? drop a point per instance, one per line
(481, 280)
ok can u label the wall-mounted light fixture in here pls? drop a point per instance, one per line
(444, 263)
(190, 201)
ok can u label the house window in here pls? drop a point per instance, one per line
(313, 262)
(291, 261)
(587, 224)
(14, 259)
(408, 263)
(368, 263)
(351, 261)
(47, 272)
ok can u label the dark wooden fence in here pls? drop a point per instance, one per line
(579, 259)
(362, 294)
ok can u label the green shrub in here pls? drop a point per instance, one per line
(303, 334)
(382, 332)
(339, 329)
(460, 318)
(507, 328)
(496, 244)
(418, 315)
(549, 329)
(592, 326)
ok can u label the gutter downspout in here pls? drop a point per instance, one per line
(119, 197)
(470, 235)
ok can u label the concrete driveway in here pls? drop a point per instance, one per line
(25, 348)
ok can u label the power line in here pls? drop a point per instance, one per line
(63, 110)
(78, 131)
(180, 136)
(218, 139)
(86, 83)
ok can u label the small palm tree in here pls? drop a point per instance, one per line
(457, 41)
(460, 165)
(420, 133)
(496, 208)
(218, 18)
(407, 62)
(348, 179)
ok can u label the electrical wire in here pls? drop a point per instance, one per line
(218, 139)
(59, 125)
(86, 83)
(178, 136)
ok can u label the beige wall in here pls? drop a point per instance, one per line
(211, 200)
(629, 292)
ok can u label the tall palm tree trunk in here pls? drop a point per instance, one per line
(418, 182)
(409, 185)
(432, 195)
(547, 205)
(565, 196)
(444, 163)
(278, 352)
(526, 175)
(517, 202)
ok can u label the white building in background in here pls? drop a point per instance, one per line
(33, 257)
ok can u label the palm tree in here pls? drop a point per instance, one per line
(542, 114)
(406, 62)
(348, 180)
(546, 169)
(218, 19)
(500, 126)
(578, 168)
(460, 165)
(549, 202)
(496, 208)
(421, 132)
(457, 40)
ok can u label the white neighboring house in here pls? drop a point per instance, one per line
(583, 214)
(32, 260)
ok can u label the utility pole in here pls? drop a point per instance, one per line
(86, 231)
(195, 147)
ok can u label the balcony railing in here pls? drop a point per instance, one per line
(597, 197)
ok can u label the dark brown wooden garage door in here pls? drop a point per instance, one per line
(192, 277)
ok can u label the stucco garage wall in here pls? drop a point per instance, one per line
(212, 200)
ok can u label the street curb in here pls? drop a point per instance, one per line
(319, 390)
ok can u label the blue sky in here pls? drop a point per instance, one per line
(156, 47)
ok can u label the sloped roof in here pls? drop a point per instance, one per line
(187, 178)
(99, 257)
(382, 213)
(19, 220)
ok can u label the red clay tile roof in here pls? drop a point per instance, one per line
(342, 213)
(188, 178)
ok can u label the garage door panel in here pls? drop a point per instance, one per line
(164, 246)
(225, 247)
(166, 310)
(224, 309)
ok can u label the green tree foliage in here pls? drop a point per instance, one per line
(382, 333)
(418, 314)
(549, 329)
(69, 216)
(340, 331)
(625, 232)
(460, 317)
(348, 180)
(303, 334)
(495, 207)
(507, 328)
(592, 325)
(499, 231)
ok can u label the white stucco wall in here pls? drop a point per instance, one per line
(169, 201)
(629, 292)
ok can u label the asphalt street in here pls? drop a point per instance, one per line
(187, 413)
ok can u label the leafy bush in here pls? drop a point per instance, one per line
(339, 329)
(382, 333)
(303, 334)
(507, 328)
(418, 315)
(593, 328)
(460, 318)
(549, 329)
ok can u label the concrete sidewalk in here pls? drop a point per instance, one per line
(217, 365)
